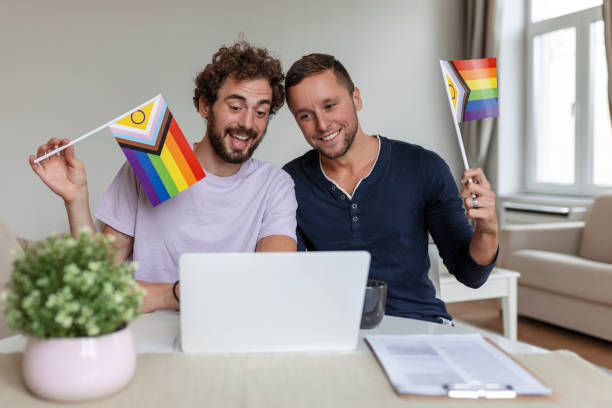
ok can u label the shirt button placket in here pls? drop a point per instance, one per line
(354, 219)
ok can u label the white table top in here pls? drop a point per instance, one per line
(159, 333)
(496, 273)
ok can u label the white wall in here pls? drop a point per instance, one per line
(69, 66)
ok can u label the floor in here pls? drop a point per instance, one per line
(486, 314)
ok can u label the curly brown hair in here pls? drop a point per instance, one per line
(241, 61)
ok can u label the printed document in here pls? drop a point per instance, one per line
(424, 364)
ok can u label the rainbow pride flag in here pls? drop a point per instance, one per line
(472, 88)
(157, 150)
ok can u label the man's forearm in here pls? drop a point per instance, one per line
(276, 243)
(79, 215)
(483, 247)
(159, 296)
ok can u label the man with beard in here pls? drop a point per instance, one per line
(242, 204)
(357, 191)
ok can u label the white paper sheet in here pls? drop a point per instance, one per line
(424, 364)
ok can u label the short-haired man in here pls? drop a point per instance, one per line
(242, 204)
(357, 191)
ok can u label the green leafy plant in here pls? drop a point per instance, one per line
(67, 287)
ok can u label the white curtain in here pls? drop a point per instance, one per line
(483, 31)
(607, 17)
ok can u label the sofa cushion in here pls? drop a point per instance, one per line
(564, 274)
(8, 242)
(565, 311)
(597, 234)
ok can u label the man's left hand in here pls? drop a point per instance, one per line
(482, 207)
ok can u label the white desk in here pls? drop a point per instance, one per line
(501, 284)
(271, 380)
(159, 333)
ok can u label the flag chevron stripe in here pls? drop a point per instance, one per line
(459, 89)
(466, 96)
(136, 139)
(481, 104)
(160, 139)
(148, 133)
(141, 174)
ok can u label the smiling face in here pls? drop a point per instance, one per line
(326, 113)
(237, 121)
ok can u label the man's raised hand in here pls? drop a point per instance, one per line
(63, 173)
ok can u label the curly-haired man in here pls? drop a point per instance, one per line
(242, 204)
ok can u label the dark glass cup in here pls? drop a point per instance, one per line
(374, 304)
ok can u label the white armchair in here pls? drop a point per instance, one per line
(566, 270)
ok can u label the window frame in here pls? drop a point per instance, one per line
(584, 113)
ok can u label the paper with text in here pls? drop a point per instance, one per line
(424, 364)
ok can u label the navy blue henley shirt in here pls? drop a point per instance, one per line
(409, 192)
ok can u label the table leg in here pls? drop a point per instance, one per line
(509, 311)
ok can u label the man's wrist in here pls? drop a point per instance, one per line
(486, 228)
(169, 300)
(483, 246)
(82, 200)
(164, 299)
(486, 234)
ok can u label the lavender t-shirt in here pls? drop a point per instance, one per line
(217, 214)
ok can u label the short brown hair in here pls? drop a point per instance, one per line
(313, 64)
(241, 61)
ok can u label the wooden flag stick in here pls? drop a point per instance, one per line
(86, 135)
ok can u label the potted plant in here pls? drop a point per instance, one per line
(73, 302)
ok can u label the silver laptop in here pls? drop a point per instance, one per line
(255, 302)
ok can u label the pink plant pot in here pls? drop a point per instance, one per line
(80, 368)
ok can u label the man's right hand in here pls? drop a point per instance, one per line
(63, 173)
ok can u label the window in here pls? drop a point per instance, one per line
(569, 135)
(546, 9)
